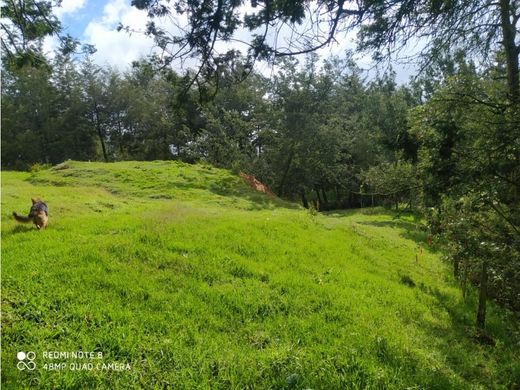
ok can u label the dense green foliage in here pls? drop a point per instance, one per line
(196, 281)
(308, 132)
(24, 25)
(470, 168)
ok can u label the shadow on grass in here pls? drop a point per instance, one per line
(458, 311)
(258, 200)
(262, 202)
(474, 359)
(462, 314)
(410, 230)
(343, 213)
(19, 229)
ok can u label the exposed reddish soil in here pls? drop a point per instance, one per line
(255, 184)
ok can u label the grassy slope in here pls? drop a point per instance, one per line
(196, 281)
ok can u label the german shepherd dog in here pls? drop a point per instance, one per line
(39, 214)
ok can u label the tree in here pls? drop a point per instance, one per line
(27, 112)
(24, 25)
(395, 182)
(74, 137)
(156, 121)
(213, 22)
(480, 28)
(96, 99)
(469, 166)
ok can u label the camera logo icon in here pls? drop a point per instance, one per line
(26, 360)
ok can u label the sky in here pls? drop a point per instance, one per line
(95, 22)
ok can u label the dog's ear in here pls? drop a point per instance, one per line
(34, 200)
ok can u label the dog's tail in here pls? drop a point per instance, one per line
(20, 218)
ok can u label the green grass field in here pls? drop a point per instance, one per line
(196, 281)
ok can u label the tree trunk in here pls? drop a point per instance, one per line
(324, 194)
(481, 312)
(286, 172)
(465, 280)
(100, 135)
(511, 51)
(318, 195)
(304, 199)
(103, 147)
(43, 142)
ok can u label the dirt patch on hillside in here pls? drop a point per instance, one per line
(255, 184)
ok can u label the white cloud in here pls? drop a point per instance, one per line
(50, 44)
(115, 48)
(69, 7)
(114, 10)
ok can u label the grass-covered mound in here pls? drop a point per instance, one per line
(196, 281)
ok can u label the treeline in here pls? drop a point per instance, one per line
(311, 132)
